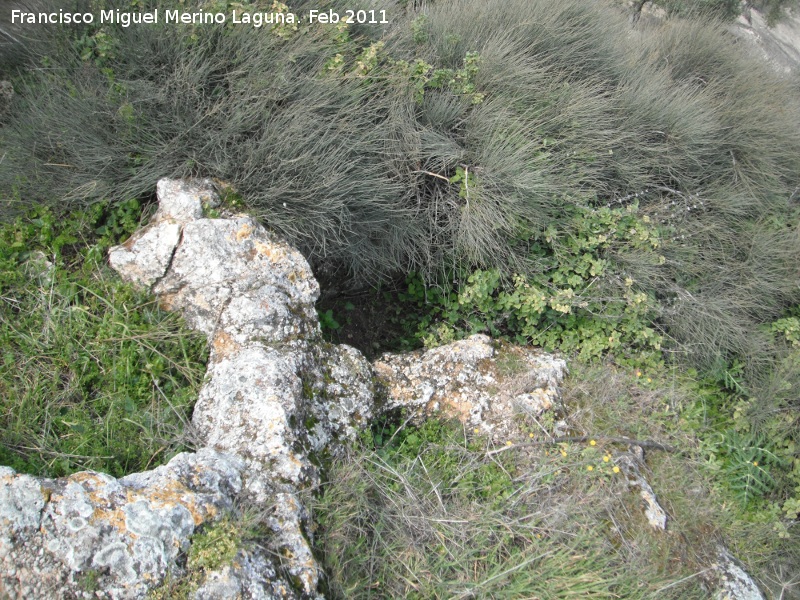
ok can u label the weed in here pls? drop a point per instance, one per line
(215, 546)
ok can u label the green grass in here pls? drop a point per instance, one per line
(93, 375)
(427, 512)
(437, 518)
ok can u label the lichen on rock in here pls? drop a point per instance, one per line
(127, 532)
(488, 385)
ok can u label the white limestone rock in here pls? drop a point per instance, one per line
(128, 532)
(629, 464)
(482, 383)
(274, 390)
(729, 580)
(232, 275)
(145, 257)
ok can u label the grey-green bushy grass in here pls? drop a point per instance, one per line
(355, 169)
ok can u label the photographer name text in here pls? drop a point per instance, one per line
(236, 17)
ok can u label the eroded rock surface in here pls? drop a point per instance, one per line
(730, 581)
(274, 391)
(484, 384)
(90, 532)
(629, 462)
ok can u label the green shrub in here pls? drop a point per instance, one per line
(572, 306)
(93, 374)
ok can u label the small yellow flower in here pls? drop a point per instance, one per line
(755, 463)
(592, 443)
(509, 443)
(615, 469)
(563, 453)
(638, 373)
(530, 435)
(475, 430)
(606, 458)
(590, 468)
(649, 380)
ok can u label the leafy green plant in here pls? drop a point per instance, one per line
(328, 322)
(790, 328)
(746, 465)
(558, 309)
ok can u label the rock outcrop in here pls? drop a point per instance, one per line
(274, 393)
(729, 581)
(482, 383)
(71, 537)
(276, 396)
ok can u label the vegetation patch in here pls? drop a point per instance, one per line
(437, 512)
(432, 514)
(93, 374)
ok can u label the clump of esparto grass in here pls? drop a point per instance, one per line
(455, 145)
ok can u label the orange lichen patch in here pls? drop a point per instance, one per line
(244, 232)
(224, 345)
(131, 241)
(94, 486)
(383, 371)
(170, 494)
(86, 477)
(456, 407)
(110, 510)
(115, 518)
(544, 399)
(272, 252)
(167, 301)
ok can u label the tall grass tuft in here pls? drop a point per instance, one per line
(375, 171)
